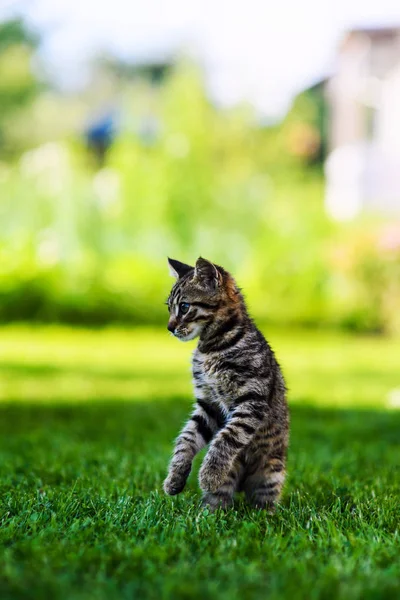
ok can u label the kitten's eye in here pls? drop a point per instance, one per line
(184, 307)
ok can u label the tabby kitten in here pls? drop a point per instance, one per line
(240, 408)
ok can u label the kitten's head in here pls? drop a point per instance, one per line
(201, 295)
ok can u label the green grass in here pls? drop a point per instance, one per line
(87, 420)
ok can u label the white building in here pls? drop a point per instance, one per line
(363, 165)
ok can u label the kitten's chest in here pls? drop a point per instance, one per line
(208, 378)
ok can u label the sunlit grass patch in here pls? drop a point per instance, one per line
(57, 363)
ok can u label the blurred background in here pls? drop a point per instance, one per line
(265, 140)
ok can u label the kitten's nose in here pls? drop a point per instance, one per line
(171, 326)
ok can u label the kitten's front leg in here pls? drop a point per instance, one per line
(247, 416)
(177, 477)
(197, 432)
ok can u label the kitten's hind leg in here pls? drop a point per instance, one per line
(223, 497)
(263, 486)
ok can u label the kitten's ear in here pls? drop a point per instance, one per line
(178, 269)
(207, 273)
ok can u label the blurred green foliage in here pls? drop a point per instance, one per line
(18, 84)
(186, 179)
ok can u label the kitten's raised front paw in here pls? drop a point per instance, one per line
(174, 483)
(211, 477)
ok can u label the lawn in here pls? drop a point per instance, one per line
(87, 424)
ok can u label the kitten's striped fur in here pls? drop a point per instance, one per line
(240, 408)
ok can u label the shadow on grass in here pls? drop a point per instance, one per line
(332, 452)
(14, 369)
